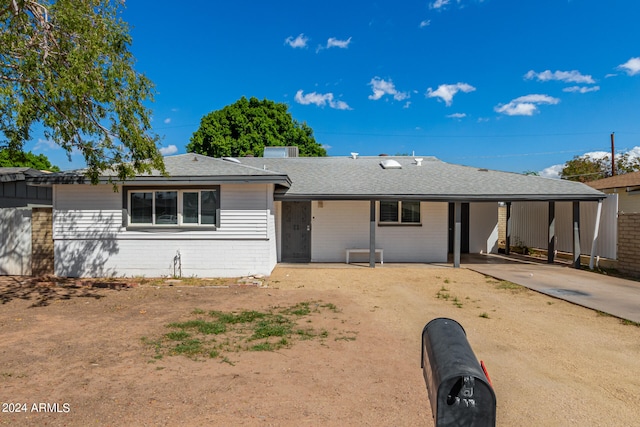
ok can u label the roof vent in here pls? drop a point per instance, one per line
(390, 164)
(418, 161)
(354, 155)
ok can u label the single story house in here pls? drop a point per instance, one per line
(626, 186)
(231, 217)
(14, 191)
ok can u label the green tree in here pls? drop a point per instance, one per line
(247, 126)
(587, 168)
(66, 65)
(28, 160)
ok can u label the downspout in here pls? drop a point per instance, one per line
(595, 234)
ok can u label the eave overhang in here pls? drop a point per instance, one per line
(282, 180)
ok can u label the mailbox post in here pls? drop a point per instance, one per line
(458, 388)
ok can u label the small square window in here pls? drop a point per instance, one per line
(411, 211)
(399, 212)
(388, 211)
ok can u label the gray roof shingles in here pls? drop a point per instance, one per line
(184, 168)
(365, 178)
(631, 179)
(317, 178)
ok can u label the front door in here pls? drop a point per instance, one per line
(296, 231)
(464, 227)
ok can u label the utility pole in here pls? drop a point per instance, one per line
(613, 156)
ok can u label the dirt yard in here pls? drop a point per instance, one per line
(83, 352)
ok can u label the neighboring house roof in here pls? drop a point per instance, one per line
(18, 173)
(364, 178)
(184, 169)
(619, 181)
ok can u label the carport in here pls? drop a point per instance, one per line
(399, 181)
(611, 295)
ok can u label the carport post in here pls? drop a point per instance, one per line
(457, 234)
(507, 243)
(551, 243)
(372, 234)
(576, 234)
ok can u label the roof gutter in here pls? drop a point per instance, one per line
(283, 196)
(282, 180)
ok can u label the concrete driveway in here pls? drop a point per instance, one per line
(618, 297)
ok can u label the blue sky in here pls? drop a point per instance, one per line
(502, 84)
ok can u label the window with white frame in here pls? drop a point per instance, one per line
(189, 207)
(399, 212)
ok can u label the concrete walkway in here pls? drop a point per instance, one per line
(618, 297)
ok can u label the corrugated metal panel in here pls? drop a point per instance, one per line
(483, 228)
(529, 226)
(15, 241)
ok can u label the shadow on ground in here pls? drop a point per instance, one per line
(42, 291)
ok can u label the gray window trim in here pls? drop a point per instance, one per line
(400, 223)
(126, 201)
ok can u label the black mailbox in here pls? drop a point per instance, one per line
(459, 390)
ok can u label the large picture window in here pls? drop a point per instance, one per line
(399, 212)
(197, 207)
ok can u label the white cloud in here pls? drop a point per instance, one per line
(457, 116)
(167, 151)
(525, 105)
(407, 105)
(438, 4)
(631, 67)
(581, 89)
(447, 92)
(167, 121)
(333, 42)
(573, 76)
(382, 87)
(45, 145)
(298, 42)
(320, 100)
(425, 23)
(551, 171)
